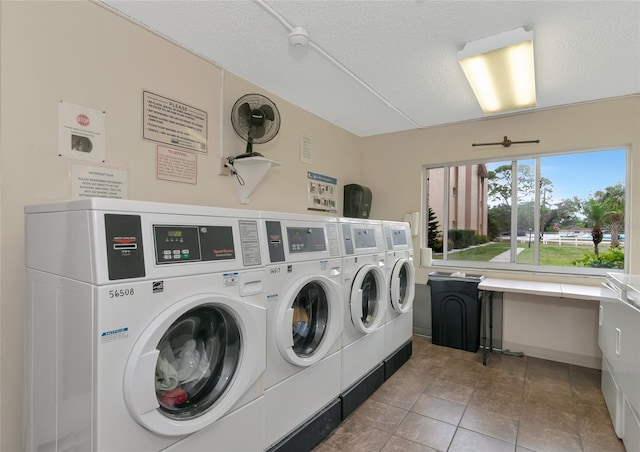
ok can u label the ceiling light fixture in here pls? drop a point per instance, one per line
(500, 70)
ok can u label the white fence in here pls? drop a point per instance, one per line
(566, 240)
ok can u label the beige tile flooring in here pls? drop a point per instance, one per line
(445, 399)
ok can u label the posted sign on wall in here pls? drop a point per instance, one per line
(91, 182)
(81, 134)
(321, 192)
(173, 123)
(177, 166)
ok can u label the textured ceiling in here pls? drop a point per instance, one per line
(404, 50)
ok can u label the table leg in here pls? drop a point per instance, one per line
(487, 306)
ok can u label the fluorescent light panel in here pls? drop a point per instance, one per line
(500, 70)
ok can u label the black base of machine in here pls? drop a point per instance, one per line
(312, 432)
(361, 390)
(396, 360)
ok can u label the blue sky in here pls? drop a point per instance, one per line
(581, 174)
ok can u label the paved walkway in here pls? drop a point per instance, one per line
(506, 256)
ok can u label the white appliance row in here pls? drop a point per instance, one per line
(619, 339)
(170, 327)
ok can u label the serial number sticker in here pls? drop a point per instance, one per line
(114, 335)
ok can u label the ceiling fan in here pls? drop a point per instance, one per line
(506, 142)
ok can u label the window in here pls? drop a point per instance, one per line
(560, 212)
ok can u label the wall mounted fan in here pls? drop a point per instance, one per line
(256, 119)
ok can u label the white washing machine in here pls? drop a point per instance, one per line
(401, 275)
(146, 327)
(304, 325)
(365, 308)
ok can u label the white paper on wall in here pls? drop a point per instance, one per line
(306, 154)
(81, 132)
(98, 182)
(321, 192)
(177, 166)
(167, 121)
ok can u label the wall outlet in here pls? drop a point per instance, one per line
(224, 170)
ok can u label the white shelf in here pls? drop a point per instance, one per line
(252, 171)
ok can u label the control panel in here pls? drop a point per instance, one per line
(306, 240)
(175, 244)
(364, 238)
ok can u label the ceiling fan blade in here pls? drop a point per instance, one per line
(486, 144)
(523, 142)
(268, 112)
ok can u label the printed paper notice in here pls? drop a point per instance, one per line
(306, 155)
(321, 192)
(177, 166)
(81, 133)
(91, 182)
(173, 123)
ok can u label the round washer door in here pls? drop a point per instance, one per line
(366, 303)
(309, 320)
(193, 363)
(402, 286)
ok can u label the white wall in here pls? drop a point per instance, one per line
(559, 329)
(84, 54)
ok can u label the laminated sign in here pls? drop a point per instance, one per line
(81, 133)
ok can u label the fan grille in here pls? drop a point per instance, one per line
(255, 117)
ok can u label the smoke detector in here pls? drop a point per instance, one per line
(298, 37)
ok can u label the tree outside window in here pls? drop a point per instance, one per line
(562, 210)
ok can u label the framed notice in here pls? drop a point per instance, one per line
(173, 123)
(321, 192)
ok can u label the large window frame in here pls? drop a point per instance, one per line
(513, 265)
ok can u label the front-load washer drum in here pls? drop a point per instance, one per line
(402, 286)
(308, 321)
(366, 298)
(193, 363)
(199, 356)
(310, 318)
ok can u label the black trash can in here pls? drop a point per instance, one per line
(455, 310)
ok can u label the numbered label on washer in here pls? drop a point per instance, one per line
(117, 293)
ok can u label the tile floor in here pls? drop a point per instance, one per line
(445, 399)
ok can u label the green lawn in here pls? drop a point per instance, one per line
(562, 256)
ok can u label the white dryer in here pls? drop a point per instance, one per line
(304, 326)
(365, 308)
(146, 327)
(401, 275)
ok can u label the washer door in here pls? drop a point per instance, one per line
(402, 286)
(309, 320)
(193, 363)
(366, 302)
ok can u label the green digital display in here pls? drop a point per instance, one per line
(174, 233)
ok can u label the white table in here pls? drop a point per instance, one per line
(489, 286)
